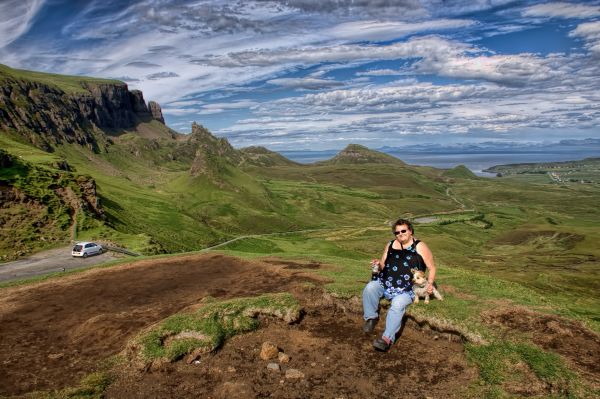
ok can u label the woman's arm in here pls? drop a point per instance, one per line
(423, 250)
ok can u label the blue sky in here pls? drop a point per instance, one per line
(306, 74)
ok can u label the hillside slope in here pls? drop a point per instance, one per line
(358, 154)
(162, 191)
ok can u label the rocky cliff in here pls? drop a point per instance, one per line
(156, 111)
(45, 114)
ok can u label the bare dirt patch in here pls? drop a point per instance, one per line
(334, 358)
(55, 332)
(579, 345)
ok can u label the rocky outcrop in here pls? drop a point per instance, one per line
(45, 115)
(88, 196)
(156, 111)
(212, 154)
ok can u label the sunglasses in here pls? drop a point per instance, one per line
(398, 232)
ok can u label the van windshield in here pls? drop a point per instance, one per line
(77, 248)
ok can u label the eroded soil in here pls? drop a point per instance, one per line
(55, 332)
(334, 356)
(577, 344)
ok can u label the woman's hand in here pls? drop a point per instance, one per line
(376, 262)
(429, 288)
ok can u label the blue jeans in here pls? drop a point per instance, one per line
(371, 296)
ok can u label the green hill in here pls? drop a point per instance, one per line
(460, 172)
(261, 156)
(358, 154)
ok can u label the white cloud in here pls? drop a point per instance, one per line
(590, 32)
(220, 49)
(215, 108)
(305, 83)
(169, 111)
(388, 30)
(562, 10)
(396, 96)
(184, 103)
(408, 107)
(427, 46)
(506, 69)
(16, 17)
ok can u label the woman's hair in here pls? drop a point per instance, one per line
(400, 222)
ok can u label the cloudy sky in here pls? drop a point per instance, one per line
(310, 74)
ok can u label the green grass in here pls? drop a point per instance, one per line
(501, 364)
(69, 84)
(26, 152)
(208, 327)
(92, 386)
(42, 206)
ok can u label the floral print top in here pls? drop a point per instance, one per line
(396, 277)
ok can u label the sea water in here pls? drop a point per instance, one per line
(475, 161)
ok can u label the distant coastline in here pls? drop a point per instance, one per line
(476, 158)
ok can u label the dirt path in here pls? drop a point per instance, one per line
(463, 207)
(53, 260)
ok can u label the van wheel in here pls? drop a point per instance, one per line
(85, 255)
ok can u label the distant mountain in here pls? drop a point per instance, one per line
(588, 141)
(261, 156)
(358, 154)
(488, 146)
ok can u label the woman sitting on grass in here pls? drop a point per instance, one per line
(394, 281)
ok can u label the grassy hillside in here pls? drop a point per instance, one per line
(358, 154)
(42, 205)
(164, 193)
(69, 84)
(515, 258)
(460, 171)
(585, 171)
